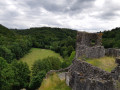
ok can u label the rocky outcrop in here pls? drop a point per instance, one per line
(112, 52)
(84, 76)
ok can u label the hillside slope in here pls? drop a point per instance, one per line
(5, 31)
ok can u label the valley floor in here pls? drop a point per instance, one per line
(36, 53)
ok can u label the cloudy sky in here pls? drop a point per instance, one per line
(82, 15)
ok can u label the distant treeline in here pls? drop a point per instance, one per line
(60, 40)
(111, 38)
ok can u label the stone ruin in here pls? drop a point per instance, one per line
(81, 75)
(116, 72)
(84, 76)
(112, 52)
(89, 45)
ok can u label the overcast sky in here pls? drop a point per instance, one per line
(82, 15)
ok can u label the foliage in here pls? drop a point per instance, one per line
(49, 63)
(60, 40)
(72, 56)
(111, 39)
(14, 44)
(68, 61)
(54, 63)
(6, 75)
(13, 76)
(22, 75)
(37, 80)
(6, 53)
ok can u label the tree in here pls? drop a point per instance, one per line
(37, 66)
(70, 49)
(37, 80)
(55, 62)
(6, 53)
(6, 75)
(22, 75)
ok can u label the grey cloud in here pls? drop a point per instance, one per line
(81, 4)
(109, 10)
(109, 15)
(66, 7)
(60, 13)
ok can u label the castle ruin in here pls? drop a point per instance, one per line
(84, 76)
(81, 75)
(89, 45)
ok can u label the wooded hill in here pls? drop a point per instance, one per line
(14, 44)
(111, 38)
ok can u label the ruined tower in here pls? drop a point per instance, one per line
(89, 45)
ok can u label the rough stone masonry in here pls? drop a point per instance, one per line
(89, 45)
(84, 76)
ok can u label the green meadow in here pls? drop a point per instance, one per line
(105, 63)
(36, 53)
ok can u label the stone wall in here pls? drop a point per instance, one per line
(84, 76)
(82, 83)
(89, 45)
(116, 71)
(112, 52)
(90, 52)
(84, 38)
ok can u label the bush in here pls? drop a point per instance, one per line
(47, 64)
(69, 60)
(53, 63)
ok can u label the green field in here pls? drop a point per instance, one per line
(36, 53)
(105, 63)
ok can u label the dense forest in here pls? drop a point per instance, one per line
(14, 44)
(111, 38)
(60, 40)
